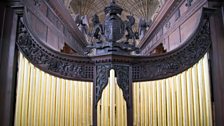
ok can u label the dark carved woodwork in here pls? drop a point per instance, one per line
(109, 35)
(124, 81)
(178, 60)
(53, 63)
(102, 72)
(143, 67)
(122, 74)
(128, 68)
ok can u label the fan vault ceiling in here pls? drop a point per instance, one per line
(138, 8)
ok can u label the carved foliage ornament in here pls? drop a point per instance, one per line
(178, 60)
(123, 79)
(49, 62)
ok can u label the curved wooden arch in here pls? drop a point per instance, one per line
(51, 61)
(178, 60)
(144, 68)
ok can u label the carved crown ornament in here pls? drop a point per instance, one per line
(114, 36)
(114, 53)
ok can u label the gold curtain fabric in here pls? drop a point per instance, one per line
(45, 100)
(182, 100)
(111, 109)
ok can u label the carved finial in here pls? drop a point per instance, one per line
(113, 8)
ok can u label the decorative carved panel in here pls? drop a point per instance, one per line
(178, 60)
(52, 62)
(123, 79)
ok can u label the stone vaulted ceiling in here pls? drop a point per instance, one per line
(138, 8)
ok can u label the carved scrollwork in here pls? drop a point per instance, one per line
(122, 73)
(70, 68)
(178, 60)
